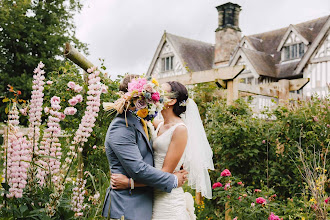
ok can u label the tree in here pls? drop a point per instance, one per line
(33, 31)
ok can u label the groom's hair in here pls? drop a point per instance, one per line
(127, 79)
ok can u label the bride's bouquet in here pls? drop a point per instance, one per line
(144, 97)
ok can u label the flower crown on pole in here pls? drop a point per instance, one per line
(144, 97)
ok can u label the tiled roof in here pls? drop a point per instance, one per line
(197, 55)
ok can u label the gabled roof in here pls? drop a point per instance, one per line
(196, 55)
(293, 29)
(268, 42)
(262, 63)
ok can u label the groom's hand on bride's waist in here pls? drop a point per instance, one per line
(182, 177)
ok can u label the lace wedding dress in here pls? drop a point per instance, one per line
(176, 205)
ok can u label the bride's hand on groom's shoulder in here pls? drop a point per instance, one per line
(182, 177)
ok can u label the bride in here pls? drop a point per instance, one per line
(178, 140)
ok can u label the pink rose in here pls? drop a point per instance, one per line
(70, 111)
(71, 85)
(155, 96)
(77, 88)
(239, 183)
(272, 216)
(55, 99)
(227, 186)
(62, 116)
(79, 98)
(260, 200)
(216, 185)
(73, 101)
(226, 172)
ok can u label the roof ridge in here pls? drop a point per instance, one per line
(174, 35)
(283, 28)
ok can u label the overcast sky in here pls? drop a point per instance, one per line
(126, 33)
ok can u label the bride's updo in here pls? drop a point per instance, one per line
(180, 93)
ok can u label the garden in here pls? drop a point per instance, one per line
(275, 168)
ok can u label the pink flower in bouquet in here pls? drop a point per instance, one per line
(155, 96)
(73, 101)
(260, 200)
(137, 84)
(226, 172)
(148, 87)
(70, 111)
(272, 216)
(71, 85)
(327, 200)
(216, 185)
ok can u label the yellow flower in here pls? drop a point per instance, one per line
(154, 81)
(142, 113)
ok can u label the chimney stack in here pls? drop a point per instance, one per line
(228, 33)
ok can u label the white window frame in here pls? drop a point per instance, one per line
(167, 63)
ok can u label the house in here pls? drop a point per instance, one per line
(297, 51)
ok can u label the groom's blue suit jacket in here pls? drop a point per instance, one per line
(129, 152)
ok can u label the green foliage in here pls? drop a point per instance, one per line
(33, 31)
(264, 152)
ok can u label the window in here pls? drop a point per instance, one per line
(167, 63)
(294, 51)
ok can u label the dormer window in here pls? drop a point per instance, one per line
(167, 63)
(294, 51)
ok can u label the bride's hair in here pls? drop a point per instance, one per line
(180, 93)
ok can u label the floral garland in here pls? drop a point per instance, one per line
(144, 95)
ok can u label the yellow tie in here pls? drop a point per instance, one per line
(144, 125)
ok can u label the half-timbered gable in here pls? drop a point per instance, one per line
(177, 55)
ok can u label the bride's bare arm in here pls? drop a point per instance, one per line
(176, 149)
(172, 158)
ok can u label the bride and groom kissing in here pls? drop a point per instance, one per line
(146, 155)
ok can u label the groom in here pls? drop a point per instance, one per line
(129, 152)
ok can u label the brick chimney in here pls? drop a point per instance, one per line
(228, 33)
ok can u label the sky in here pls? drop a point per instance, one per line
(126, 33)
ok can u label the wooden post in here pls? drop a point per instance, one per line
(232, 91)
(284, 91)
(73, 54)
(199, 198)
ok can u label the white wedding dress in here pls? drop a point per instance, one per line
(176, 205)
